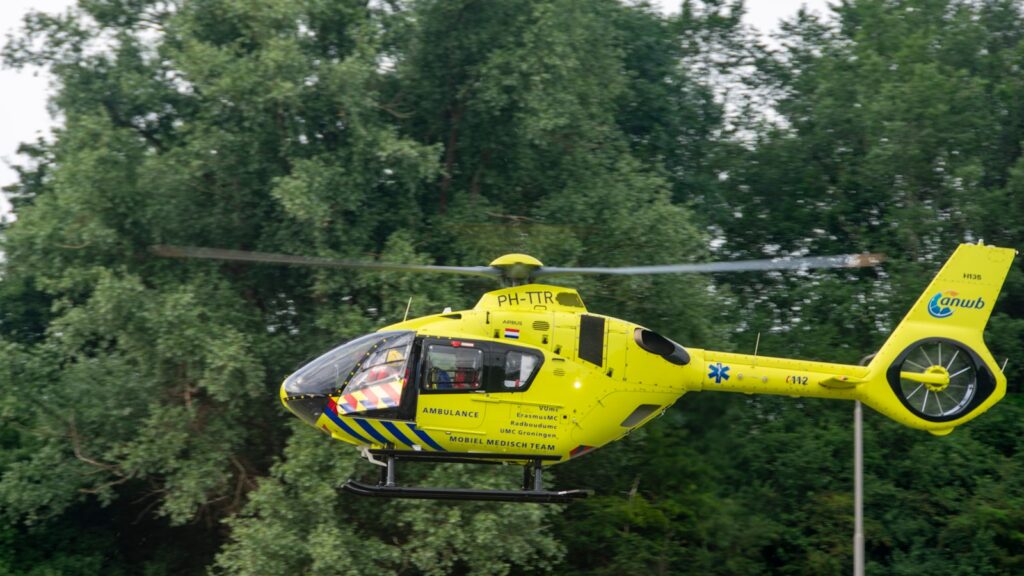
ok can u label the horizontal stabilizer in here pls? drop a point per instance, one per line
(842, 382)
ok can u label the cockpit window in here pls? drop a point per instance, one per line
(518, 369)
(453, 367)
(332, 371)
(384, 364)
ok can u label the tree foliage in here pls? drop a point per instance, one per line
(140, 431)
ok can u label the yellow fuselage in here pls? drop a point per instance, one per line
(601, 377)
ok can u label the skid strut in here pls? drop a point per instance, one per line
(532, 491)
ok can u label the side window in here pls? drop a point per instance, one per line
(518, 369)
(453, 368)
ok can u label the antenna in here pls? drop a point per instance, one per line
(1003, 367)
(757, 344)
(407, 306)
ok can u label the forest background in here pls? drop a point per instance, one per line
(140, 431)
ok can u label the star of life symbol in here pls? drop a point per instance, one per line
(718, 372)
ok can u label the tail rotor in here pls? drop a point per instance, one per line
(938, 379)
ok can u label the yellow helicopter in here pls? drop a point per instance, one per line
(529, 376)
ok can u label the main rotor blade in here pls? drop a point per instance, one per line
(270, 258)
(804, 263)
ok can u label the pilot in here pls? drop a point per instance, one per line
(442, 368)
(389, 371)
(379, 373)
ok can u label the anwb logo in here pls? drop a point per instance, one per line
(942, 304)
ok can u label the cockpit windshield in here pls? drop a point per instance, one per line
(370, 361)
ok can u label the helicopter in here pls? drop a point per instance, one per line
(529, 376)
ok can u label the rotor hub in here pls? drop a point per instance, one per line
(517, 268)
(942, 383)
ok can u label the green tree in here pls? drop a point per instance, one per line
(138, 396)
(154, 382)
(892, 136)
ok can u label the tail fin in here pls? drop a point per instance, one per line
(935, 372)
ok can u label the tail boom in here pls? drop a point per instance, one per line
(933, 373)
(727, 372)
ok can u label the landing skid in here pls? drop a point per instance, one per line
(532, 491)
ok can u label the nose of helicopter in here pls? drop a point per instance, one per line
(307, 392)
(309, 407)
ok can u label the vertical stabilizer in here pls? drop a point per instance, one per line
(934, 371)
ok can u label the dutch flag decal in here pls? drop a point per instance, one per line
(512, 333)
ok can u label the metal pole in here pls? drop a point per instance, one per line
(858, 492)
